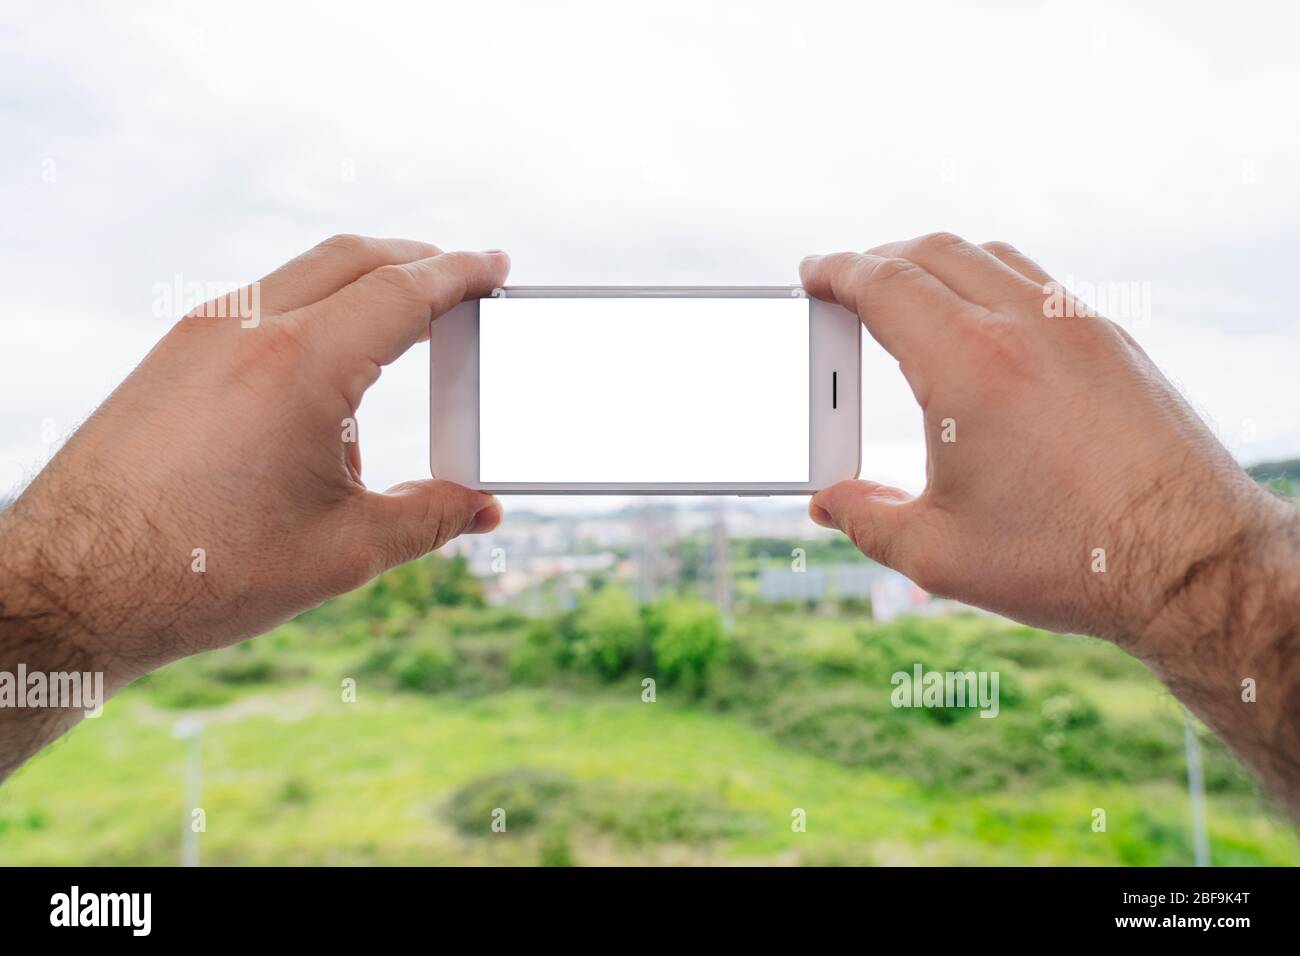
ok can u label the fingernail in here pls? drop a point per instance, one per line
(808, 260)
(493, 252)
(485, 519)
(822, 517)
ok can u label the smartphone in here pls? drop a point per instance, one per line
(621, 390)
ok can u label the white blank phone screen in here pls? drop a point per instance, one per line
(643, 390)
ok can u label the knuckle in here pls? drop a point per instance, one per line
(457, 258)
(861, 532)
(273, 351)
(423, 529)
(441, 524)
(998, 343)
(397, 279)
(1114, 337)
(837, 266)
(999, 248)
(938, 241)
(455, 266)
(1125, 336)
(455, 271)
(890, 270)
(346, 243)
(291, 336)
(444, 530)
(875, 542)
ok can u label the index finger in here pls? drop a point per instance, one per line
(903, 306)
(330, 265)
(385, 312)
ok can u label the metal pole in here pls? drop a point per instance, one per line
(190, 729)
(722, 594)
(1196, 792)
(647, 570)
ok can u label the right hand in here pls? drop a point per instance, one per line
(1053, 444)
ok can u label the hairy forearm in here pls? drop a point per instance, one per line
(46, 685)
(39, 697)
(56, 606)
(1227, 643)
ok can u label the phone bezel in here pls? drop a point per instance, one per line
(835, 336)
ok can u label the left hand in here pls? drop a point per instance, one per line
(218, 491)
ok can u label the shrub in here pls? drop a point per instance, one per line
(295, 790)
(433, 581)
(539, 655)
(181, 686)
(640, 815)
(427, 669)
(528, 795)
(687, 641)
(245, 670)
(463, 621)
(608, 634)
(426, 666)
(555, 849)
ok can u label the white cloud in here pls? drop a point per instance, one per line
(671, 142)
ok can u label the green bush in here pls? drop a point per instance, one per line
(183, 685)
(687, 641)
(608, 633)
(427, 669)
(554, 805)
(295, 790)
(641, 815)
(432, 581)
(426, 666)
(555, 849)
(246, 669)
(528, 795)
(472, 620)
(539, 655)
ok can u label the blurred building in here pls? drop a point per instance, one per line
(890, 593)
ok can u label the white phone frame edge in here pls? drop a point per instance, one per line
(835, 341)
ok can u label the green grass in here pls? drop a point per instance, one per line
(299, 777)
(463, 711)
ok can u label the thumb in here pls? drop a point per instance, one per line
(880, 521)
(416, 517)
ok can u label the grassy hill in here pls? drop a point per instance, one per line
(462, 710)
(1281, 477)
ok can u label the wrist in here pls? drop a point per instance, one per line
(60, 607)
(1224, 644)
(1233, 600)
(37, 623)
(53, 661)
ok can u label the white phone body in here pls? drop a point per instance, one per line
(832, 381)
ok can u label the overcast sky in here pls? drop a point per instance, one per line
(659, 143)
